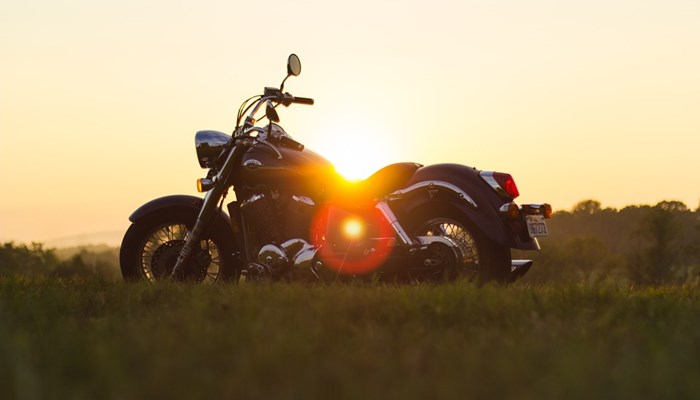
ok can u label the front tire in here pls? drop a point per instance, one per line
(482, 260)
(151, 245)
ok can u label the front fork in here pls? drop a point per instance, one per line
(210, 205)
(206, 214)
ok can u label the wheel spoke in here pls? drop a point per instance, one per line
(460, 236)
(161, 247)
(441, 230)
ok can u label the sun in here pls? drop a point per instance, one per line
(356, 152)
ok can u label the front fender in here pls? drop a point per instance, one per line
(465, 190)
(177, 205)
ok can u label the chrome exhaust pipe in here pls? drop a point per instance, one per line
(302, 254)
(518, 268)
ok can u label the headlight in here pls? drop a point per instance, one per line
(209, 146)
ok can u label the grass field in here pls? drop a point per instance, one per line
(95, 339)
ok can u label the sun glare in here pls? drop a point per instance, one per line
(356, 152)
(353, 228)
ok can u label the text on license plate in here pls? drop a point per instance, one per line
(536, 226)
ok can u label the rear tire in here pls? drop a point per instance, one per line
(151, 245)
(483, 260)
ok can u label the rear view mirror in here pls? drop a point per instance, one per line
(271, 113)
(293, 65)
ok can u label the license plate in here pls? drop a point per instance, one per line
(536, 226)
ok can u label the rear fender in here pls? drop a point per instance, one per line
(464, 190)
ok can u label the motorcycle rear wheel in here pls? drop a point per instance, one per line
(482, 260)
(150, 249)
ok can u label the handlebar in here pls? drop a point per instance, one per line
(285, 98)
(303, 100)
(270, 94)
(291, 143)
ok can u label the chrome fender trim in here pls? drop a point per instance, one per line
(488, 177)
(429, 186)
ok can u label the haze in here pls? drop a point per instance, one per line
(99, 101)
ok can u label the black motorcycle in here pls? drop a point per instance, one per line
(294, 216)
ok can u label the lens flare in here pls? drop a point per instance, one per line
(353, 228)
(351, 243)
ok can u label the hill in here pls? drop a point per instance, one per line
(108, 238)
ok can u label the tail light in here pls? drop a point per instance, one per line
(502, 183)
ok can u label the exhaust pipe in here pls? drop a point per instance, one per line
(518, 268)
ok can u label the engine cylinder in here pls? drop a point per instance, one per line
(259, 212)
(298, 215)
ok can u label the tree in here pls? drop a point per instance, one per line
(659, 228)
(587, 207)
(672, 206)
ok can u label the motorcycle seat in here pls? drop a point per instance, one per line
(386, 180)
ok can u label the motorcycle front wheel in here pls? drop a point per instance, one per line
(482, 260)
(150, 249)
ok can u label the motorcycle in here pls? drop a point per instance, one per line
(293, 215)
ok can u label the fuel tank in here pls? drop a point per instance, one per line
(304, 171)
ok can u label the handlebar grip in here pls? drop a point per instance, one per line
(303, 100)
(291, 143)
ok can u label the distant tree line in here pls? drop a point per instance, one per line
(638, 245)
(35, 260)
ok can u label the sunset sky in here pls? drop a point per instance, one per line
(99, 101)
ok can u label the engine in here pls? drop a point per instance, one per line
(279, 230)
(280, 236)
(274, 217)
(262, 217)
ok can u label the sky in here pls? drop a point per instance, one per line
(99, 101)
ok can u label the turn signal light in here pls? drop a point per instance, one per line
(511, 211)
(204, 185)
(547, 210)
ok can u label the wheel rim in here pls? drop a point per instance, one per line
(460, 236)
(162, 246)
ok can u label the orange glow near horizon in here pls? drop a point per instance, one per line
(103, 98)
